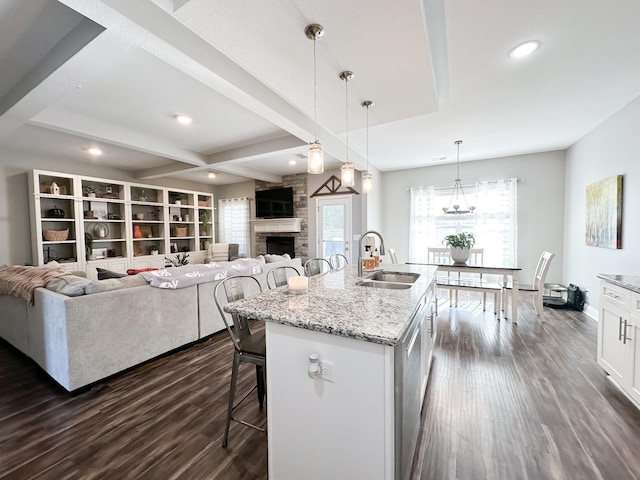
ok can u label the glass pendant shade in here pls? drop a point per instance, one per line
(347, 175)
(315, 158)
(367, 183)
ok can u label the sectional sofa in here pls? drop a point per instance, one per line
(114, 325)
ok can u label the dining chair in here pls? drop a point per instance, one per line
(536, 289)
(317, 266)
(279, 276)
(248, 347)
(338, 261)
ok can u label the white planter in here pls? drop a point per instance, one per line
(459, 255)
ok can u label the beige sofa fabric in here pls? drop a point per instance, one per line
(80, 340)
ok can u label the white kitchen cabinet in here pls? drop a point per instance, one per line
(361, 419)
(618, 348)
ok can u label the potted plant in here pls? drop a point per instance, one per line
(88, 245)
(179, 260)
(460, 245)
(205, 219)
(176, 198)
(89, 191)
(153, 249)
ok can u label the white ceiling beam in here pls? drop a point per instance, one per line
(67, 122)
(278, 146)
(224, 75)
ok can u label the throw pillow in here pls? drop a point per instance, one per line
(276, 258)
(68, 285)
(135, 271)
(260, 259)
(115, 284)
(104, 274)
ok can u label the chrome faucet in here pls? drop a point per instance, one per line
(360, 266)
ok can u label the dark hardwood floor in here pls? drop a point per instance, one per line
(503, 402)
(524, 401)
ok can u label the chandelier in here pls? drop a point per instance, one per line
(347, 172)
(315, 158)
(367, 178)
(454, 207)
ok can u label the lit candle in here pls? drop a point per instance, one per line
(298, 284)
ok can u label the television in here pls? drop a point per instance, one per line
(274, 203)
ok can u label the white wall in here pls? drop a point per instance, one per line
(540, 203)
(15, 235)
(610, 149)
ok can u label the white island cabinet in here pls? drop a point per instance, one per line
(618, 328)
(360, 417)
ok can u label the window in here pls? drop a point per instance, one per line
(494, 222)
(233, 217)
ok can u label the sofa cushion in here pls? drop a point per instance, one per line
(110, 284)
(69, 285)
(104, 274)
(270, 258)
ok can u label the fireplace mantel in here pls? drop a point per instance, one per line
(277, 225)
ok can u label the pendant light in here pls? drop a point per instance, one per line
(454, 204)
(347, 173)
(367, 178)
(315, 157)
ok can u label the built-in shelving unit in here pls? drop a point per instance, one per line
(113, 224)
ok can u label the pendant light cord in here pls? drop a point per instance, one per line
(458, 162)
(346, 105)
(315, 93)
(367, 138)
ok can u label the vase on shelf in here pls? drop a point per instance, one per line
(136, 231)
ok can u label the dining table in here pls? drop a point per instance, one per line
(507, 272)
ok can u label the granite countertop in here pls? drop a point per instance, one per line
(334, 304)
(630, 282)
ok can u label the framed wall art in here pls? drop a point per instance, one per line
(603, 225)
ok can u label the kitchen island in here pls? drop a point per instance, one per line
(358, 417)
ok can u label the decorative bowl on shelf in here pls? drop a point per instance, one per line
(55, 212)
(55, 235)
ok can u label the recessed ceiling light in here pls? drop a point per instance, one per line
(211, 174)
(524, 49)
(184, 119)
(94, 151)
(292, 162)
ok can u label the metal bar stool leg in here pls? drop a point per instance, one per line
(260, 383)
(232, 393)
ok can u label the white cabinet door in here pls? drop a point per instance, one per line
(612, 354)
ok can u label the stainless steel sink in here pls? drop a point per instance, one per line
(381, 284)
(395, 277)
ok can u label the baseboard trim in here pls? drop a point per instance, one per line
(624, 392)
(591, 313)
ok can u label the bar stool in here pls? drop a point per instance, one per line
(278, 276)
(338, 261)
(317, 266)
(248, 347)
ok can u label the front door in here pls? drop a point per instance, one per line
(334, 225)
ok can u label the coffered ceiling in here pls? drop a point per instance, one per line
(115, 73)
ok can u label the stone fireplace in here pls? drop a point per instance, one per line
(281, 245)
(298, 230)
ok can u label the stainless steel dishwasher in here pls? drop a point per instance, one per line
(407, 395)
